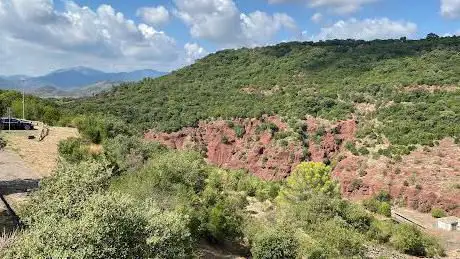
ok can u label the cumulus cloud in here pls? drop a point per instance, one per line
(193, 52)
(317, 17)
(337, 6)
(450, 8)
(220, 21)
(155, 16)
(76, 32)
(367, 29)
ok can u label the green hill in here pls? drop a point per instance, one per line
(324, 79)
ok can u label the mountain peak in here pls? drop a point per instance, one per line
(78, 69)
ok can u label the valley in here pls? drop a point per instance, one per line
(301, 149)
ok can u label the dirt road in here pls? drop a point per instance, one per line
(23, 163)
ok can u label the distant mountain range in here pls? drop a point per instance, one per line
(73, 82)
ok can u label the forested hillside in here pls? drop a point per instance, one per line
(36, 108)
(337, 119)
(411, 87)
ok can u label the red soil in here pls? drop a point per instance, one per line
(422, 180)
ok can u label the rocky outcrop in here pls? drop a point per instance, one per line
(422, 180)
(426, 178)
(258, 150)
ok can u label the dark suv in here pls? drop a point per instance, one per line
(15, 124)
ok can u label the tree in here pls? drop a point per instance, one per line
(432, 36)
(308, 179)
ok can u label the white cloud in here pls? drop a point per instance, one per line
(337, 6)
(367, 29)
(155, 16)
(220, 21)
(450, 8)
(193, 52)
(317, 17)
(80, 34)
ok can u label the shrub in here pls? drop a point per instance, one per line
(64, 193)
(339, 240)
(309, 179)
(381, 231)
(107, 227)
(408, 239)
(356, 184)
(356, 216)
(438, 213)
(239, 131)
(169, 235)
(130, 153)
(73, 150)
(225, 140)
(274, 244)
(384, 209)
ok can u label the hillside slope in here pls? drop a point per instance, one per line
(401, 97)
(409, 87)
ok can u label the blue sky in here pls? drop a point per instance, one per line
(38, 36)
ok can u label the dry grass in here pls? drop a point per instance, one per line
(40, 156)
(7, 238)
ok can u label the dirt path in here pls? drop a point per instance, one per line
(23, 163)
(40, 156)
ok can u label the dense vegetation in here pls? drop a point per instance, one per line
(117, 196)
(137, 199)
(325, 79)
(36, 109)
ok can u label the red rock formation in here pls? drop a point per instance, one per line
(255, 151)
(421, 180)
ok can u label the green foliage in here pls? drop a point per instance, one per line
(381, 231)
(410, 240)
(239, 131)
(438, 213)
(73, 150)
(379, 203)
(65, 192)
(130, 153)
(292, 80)
(98, 128)
(309, 179)
(169, 234)
(274, 244)
(267, 126)
(106, 227)
(36, 108)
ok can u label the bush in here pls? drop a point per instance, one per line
(107, 227)
(130, 153)
(408, 239)
(239, 131)
(381, 231)
(438, 213)
(384, 209)
(73, 150)
(64, 193)
(169, 235)
(274, 244)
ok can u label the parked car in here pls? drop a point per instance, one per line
(15, 124)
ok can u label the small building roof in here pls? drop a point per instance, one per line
(449, 220)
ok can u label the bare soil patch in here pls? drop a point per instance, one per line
(40, 156)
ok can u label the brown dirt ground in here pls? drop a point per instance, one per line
(41, 157)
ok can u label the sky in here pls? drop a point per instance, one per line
(39, 36)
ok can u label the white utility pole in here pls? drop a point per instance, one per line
(23, 101)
